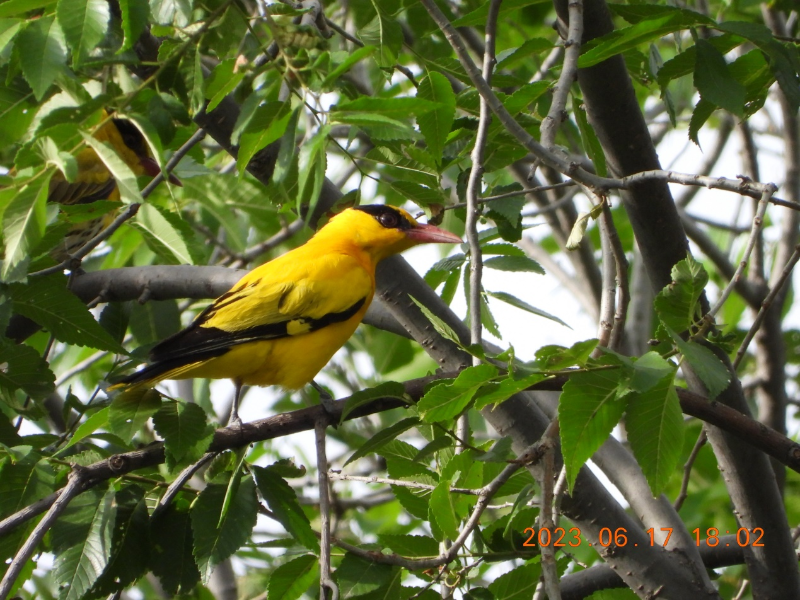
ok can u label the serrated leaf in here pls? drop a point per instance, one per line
(644, 31)
(496, 393)
(134, 20)
(126, 180)
(442, 328)
(382, 437)
(282, 501)
(380, 127)
(131, 542)
(130, 410)
(702, 111)
(21, 367)
(514, 264)
(648, 370)
(388, 389)
(414, 546)
(45, 53)
(290, 580)
(400, 106)
(523, 53)
(96, 421)
(514, 301)
(386, 34)
(706, 365)
(162, 236)
(449, 263)
(185, 430)
(479, 15)
(267, 124)
(554, 358)
(654, 423)
(352, 58)
(223, 80)
(442, 509)
(518, 584)
(84, 23)
(588, 410)
(676, 304)
(171, 558)
(713, 79)
(47, 301)
(24, 222)
(435, 126)
(79, 566)
(446, 400)
(214, 543)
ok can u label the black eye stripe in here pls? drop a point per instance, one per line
(387, 216)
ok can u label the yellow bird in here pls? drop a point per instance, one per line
(283, 321)
(95, 182)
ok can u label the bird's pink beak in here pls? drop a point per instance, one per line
(152, 169)
(434, 235)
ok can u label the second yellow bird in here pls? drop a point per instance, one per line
(283, 321)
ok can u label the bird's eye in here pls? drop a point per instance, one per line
(388, 220)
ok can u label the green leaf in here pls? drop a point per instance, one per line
(436, 124)
(442, 511)
(654, 424)
(684, 63)
(352, 58)
(160, 231)
(649, 370)
(496, 393)
(130, 410)
(676, 304)
(708, 367)
(223, 81)
(518, 584)
(131, 544)
(126, 180)
(282, 501)
(514, 264)
(171, 558)
(386, 34)
(413, 546)
(134, 20)
(18, 7)
(479, 15)
(290, 580)
(154, 320)
(99, 420)
(589, 408)
(442, 328)
(80, 565)
(531, 46)
(356, 576)
(514, 301)
(702, 111)
(382, 437)
(589, 138)
(185, 430)
(63, 161)
(399, 107)
(380, 127)
(713, 79)
(24, 369)
(84, 23)
(24, 222)
(446, 400)
(418, 194)
(555, 358)
(648, 30)
(212, 543)
(388, 389)
(45, 53)
(47, 301)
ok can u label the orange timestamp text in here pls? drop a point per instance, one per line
(562, 538)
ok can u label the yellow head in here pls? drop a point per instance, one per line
(381, 231)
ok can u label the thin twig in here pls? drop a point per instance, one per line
(687, 470)
(473, 208)
(549, 567)
(252, 253)
(766, 304)
(325, 582)
(75, 485)
(621, 269)
(608, 297)
(522, 192)
(569, 70)
(758, 221)
(177, 486)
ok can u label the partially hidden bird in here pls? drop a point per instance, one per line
(95, 182)
(283, 321)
